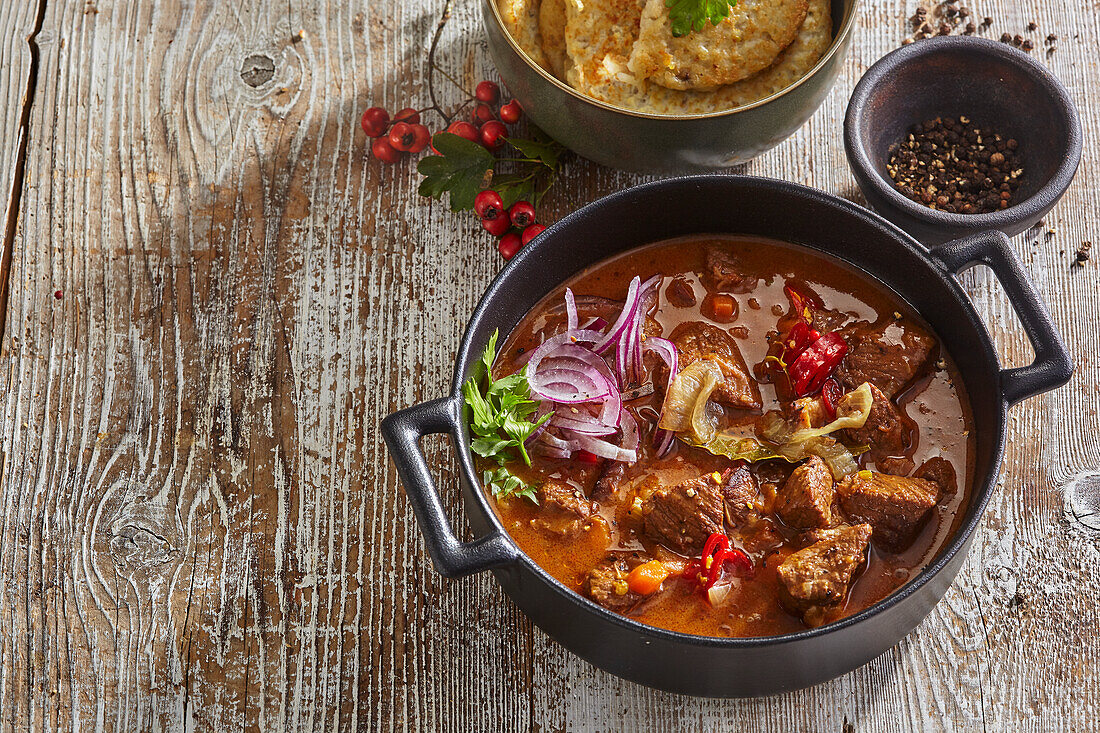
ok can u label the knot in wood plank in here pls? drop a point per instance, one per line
(257, 70)
(1082, 497)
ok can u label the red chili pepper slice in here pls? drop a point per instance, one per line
(831, 393)
(814, 365)
(803, 305)
(714, 543)
(799, 337)
(717, 554)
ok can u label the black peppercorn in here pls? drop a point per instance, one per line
(955, 166)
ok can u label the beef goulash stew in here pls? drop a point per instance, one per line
(724, 436)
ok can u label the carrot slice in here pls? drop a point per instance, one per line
(722, 306)
(646, 579)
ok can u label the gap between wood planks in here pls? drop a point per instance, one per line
(16, 194)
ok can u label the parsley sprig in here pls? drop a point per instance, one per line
(693, 15)
(500, 419)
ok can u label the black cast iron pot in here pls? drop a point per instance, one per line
(738, 205)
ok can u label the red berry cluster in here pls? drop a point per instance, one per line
(514, 228)
(402, 134)
(405, 134)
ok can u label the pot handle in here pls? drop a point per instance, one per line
(1052, 366)
(402, 432)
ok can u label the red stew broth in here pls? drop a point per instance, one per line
(936, 402)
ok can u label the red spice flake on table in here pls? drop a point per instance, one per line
(956, 166)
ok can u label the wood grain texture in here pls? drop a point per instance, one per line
(19, 23)
(199, 526)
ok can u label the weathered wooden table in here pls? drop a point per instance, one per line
(213, 296)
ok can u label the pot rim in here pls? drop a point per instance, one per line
(980, 494)
(847, 23)
(860, 156)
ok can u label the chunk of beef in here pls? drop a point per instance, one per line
(612, 475)
(888, 433)
(680, 293)
(806, 498)
(681, 517)
(723, 272)
(816, 579)
(826, 320)
(895, 465)
(563, 509)
(739, 491)
(696, 340)
(897, 507)
(939, 471)
(887, 354)
(581, 474)
(759, 537)
(606, 583)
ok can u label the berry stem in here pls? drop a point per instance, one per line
(434, 67)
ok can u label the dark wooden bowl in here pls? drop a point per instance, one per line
(997, 87)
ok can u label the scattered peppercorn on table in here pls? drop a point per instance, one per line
(213, 293)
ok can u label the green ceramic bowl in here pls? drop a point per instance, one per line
(653, 143)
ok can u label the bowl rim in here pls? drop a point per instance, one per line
(859, 157)
(981, 492)
(846, 26)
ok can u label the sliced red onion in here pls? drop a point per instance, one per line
(595, 446)
(543, 410)
(570, 310)
(662, 441)
(555, 442)
(666, 350)
(582, 422)
(616, 331)
(569, 369)
(668, 353)
(630, 430)
(603, 449)
(570, 386)
(612, 408)
(569, 337)
(565, 372)
(551, 451)
(628, 354)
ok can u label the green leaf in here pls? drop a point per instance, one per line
(490, 354)
(459, 170)
(693, 15)
(514, 187)
(545, 152)
(504, 484)
(490, 446)
(480, 408)
(500, 416)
